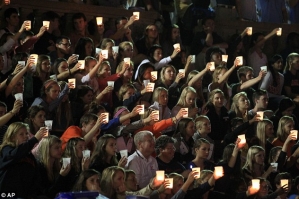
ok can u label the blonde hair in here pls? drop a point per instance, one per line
(281, 134)
(199, 121)
(10, 135)
(162, 73)
(123, 89)
(182, 99)
(121, 65)
(213, 93)
(176, 178)
(260, 132)
(104, 63)
(157, 92)
(44, 156)
(289, 61)
(106, 182)
(252, 151)
(235, 105)
(204, 174)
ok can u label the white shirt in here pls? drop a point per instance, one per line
(145, 169)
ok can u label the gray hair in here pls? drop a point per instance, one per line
(140, 136)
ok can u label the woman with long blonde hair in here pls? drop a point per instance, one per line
(240, 106)
(254, 166)
(265, 135)
(18, 167)
(187, 100)
(113, 184)
(50, 170)
(285, 125)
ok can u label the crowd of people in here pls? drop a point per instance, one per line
(102, 112)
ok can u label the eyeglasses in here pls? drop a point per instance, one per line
(67, 44)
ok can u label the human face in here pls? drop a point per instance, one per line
(118, 180)
(64, 46)
(105, 71)
(168, 151)
(21, 136)
(278, 66)
(129, 72)
(147, 73)
(205, 126)
(288, 111)
(264, 188)
(147, 145)
(243, 103)
(262, 102)
(87, 127)
(128, 51)
(79, 24)
(269, 131)
(111, 147)
(275, 157)
(288, 127)
(129, 93)
(19, 87)
(218, 100)
(46, 66)
(169, 74)
(217, 58)
(203, 151)
(163, 98)
(63, 66)
(158, 54)
(259, 157)
(87, 98)
(190, 129)
(88, 49)
(295, 63)
(121, 23)
(131, 182)
(210, 24)
(109, 48)
(249, 75)
(152, 32)
(80, 146)
(177, 186)
(175, 34)
(39, 119)
(190, 99)
(2, 111)
(13, 20)
(53, 93)
(92, 183)
(56, 151)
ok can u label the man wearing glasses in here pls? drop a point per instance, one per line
(63, 45)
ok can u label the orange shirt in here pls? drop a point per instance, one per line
(157, 127)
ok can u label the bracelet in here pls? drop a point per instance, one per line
(70, 73)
